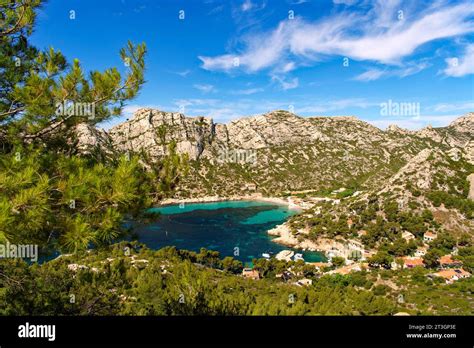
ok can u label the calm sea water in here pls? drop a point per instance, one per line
(221, 226)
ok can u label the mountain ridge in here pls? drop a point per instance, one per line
(279, 151)
(194, 134)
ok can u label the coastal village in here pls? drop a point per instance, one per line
(351, 254)
(450, 269)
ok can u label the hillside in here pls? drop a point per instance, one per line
(179, 282)
(279, 151)
(281, 154)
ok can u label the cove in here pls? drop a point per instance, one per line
(224, 226)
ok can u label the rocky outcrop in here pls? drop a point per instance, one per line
(464, 124)
(470, 179)
(393, 128)
(89, 139)
(152, 131)
(458, 134)
(288, 152)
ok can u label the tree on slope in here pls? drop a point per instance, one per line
(48, 195)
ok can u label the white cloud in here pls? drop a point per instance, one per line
(385, 12)
(370, 75)
(286, 84)
(408, 69)
(451, 107)
(461, 66)
(183, 73)
(415, 123)
(248, 91)
(287, 67)
(344, 2)
(380, 37)
(204, 88)
(215, 10)
(224, 62)
(222, 110)
(298, 2)
(219, 110)
(330, 106)
(247, 5)
(412, 69)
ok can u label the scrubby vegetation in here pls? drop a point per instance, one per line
(61, 198)
(131, 280)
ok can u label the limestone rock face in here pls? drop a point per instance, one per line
(470, 178)
(469, 151)
(152, 131)
(393, 128)
(90, 139)
(418, 169)
(272, 129)
(289, 152)
(431, 133)
(464, 124)
(458, 134)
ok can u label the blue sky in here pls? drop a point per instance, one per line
(232, 58)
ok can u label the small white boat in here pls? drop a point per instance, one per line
(298, 257)
(266, 255)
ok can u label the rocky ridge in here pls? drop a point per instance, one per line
(287, 152)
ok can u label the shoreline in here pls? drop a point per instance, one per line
(211, 199)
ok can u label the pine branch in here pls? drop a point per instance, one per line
(11, 112)
(15, 28)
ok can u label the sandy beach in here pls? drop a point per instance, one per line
(208, 199)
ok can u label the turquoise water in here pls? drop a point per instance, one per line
(227, 227)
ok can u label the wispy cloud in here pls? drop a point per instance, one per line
(139, 9)
(219, 110)
(216, 9)
(380, 37)
(322, 107)
(248, 91)
(205, 88)
(410, 68)
(464, 106)
(286, 84)
(248, 13)
(415, 123)
(183, 73)
(297, 2)
(222, 110)
(370, 75)
(461, 66)
(247, 5)
(344, 2)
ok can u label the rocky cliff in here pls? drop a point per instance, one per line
(279, 151)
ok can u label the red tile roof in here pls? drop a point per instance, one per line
(448, 260)
(413, 261)
(450, 273)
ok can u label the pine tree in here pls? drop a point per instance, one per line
(42, 96)
(49, 196)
